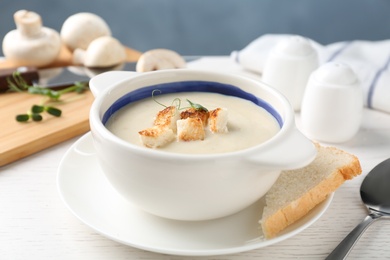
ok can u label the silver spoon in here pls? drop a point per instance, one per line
(375, 194)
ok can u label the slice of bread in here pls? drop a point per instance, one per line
(296, 192)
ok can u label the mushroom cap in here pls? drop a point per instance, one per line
(31, 44)
(159, 59)
(80, 29)
(104, 51)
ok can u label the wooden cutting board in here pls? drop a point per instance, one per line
(18, 140)
(65, 59)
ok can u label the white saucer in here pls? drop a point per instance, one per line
(85, 190)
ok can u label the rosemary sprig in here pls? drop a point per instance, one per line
(18, 84)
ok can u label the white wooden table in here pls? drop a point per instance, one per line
(35, 223)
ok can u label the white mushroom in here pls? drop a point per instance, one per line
(159, 59)
(80, 29)
(104, 51)
(31, 44)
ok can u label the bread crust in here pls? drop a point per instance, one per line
(298, 208)
(218, 120)
(156, 136)
(195, 113)
(190, 129)
(167, 118)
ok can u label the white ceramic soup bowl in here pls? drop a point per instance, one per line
(193, 186)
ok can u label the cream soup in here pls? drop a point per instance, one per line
(248, 124)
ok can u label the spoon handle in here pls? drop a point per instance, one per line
(345, 246)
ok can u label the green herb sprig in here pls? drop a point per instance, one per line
(197, 106)
(178, 103)
(35, 112)
(18, 84)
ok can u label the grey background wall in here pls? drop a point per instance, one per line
(215, 27)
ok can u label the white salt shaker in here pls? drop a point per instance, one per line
(288, 67)
(332, 105)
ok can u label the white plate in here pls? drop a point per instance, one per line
(85, 190)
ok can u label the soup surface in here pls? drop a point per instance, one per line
(248, 124)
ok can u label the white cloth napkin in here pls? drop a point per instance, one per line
(221, 64)
(369, 59)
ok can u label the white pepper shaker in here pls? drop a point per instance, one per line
(288, 67)
(332, 105)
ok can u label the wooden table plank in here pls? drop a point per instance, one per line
(65, 59)
(18, 140)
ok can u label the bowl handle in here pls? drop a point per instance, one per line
(104, 80)
(291, 152)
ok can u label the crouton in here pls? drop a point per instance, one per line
(218, 119)
(190, 129)
(195, 113)
(167, 117)
(156, 136)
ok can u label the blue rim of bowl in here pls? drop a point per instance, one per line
(189, 86)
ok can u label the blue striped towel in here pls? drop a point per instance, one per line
(369, 59)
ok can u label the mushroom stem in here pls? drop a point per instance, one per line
(28, 23)
(102, 52)
(79, 56)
